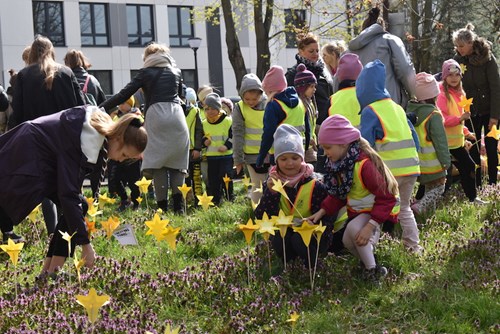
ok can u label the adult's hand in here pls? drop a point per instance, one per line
(88, 254)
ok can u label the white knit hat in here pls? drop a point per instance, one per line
(287, 139)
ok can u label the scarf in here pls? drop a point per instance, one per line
(159, 60)
(339, 174)
(306, 170)
(317, 67)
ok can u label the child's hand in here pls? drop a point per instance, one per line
(239, 167)
(317, 216)
(364, 235)
(195, 154)
(207, 142)
(222, 149)
(465, 116)
(270, 184)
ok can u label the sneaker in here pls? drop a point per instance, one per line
(479, 201)
(11, 235)
(375, 275)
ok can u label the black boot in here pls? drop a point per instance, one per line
(178, 203)
(163, 205)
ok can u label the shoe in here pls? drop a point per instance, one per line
(11, 235)
(375, 275)
(479, 201)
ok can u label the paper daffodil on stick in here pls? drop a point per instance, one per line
(92, 211)
(280, 187)
(170, 236)
(283, 222)
(143, 185)
(267, 228)
(465, 103)
(13, 249)
(246, 182)
(169, 330)
(306, 231)
(227, 181)
(110, 225)
(104, 199)
(318, 232)
(156, 227)
(494, 132)
(78, 265)
(67, 237)
(185, 190)
(92, 303)
(205, 201)
(248, 231)
(34, 213)
(90, 227)
(293, 319)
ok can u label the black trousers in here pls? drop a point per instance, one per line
(466, 167)
(217, 169)
(476, 124)
(121, 175)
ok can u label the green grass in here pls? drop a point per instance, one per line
(204, 287)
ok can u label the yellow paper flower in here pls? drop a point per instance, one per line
(205, 201)
(157, 227)
(78, 265)
(139, 200)
(168, 330)
(143, 185)
(283, 221)
(254, 205)
(279, 187)
(92, 211)
(170, 234)
(266, 226)
(246, 182)
(13, 250)
(90, 227)
(90, 201)
(293, 318)
(319, 230)
(104, 199)
(305, 230)
(34, 213)
(67, 237)
(110, 226)
(494, 132)
(226, 180)
(248, 230)
(184, 190)
(259, 189)
(463, 67)
(465, 103)
(92, 303)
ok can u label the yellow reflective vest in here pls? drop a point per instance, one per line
(454, 134)
(254, 124)
(218, 134)
(302, 202)
(294, 116)
(345, 103)
(429, 162)
(191, 124)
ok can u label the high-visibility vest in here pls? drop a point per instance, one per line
(360, 199)
(429, 162)
(218, 134)
(397, 148)
(345, 103)
(294, 116)
(254, 125)
(302, 202)
(191, 124)
(454, 134)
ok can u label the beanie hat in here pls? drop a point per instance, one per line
(303, 79)
(426, 86)
(287, 139)
(227, 105)
(190, 95)
(275, 80)
(212, 100)
(349, 67)
(337, 129)
(203, 92)
(450, 66)
(130, 101)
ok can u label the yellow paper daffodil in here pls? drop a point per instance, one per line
(156, 227)
(205, 201)
(90, 227)
(318, 231)
(463, 68)
(90, 201)
(168, 330)
(34, 213)
(248, 230)
(67, 237)
(246, 182)
(92, 211)
(305, 230)
(280, 187)
(283, 222)
(226, 180)
(494, 132)
(293, 318)
(184, 190)
(104, 199)
(92, 303)
(139, 200)
(13, 250)
(266, 226)
(259, 189)
(255, 205)
(110, 225)
(143, 185)
(78, 265)
(465, 103)
(170, 234)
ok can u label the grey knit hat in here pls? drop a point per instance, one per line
(288, 139)
(213, 101)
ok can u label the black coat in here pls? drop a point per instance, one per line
(93, 86)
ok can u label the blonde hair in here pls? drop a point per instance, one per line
(76, 58)
(153, 48)
(334, 47)
(446, 89)
(26, 55)
(42, 53)
(127, 130)
(481, 47)
(390, 180)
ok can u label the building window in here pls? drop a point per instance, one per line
(294, 19)
(188, 78)
(104, 78)
(180, 25)
(48, 21)
(94, 24)
(140, 25)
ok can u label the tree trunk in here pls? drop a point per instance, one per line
(262, 21)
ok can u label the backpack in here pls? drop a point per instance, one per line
(89, 98)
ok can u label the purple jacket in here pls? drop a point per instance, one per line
(43, 158)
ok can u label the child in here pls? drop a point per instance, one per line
(450, 93)
(344, 102)
(283, 106)
(303, 190)
(385, 126)
(248, 123)
(218, 141)
(305, 84)
(433, 153)
(357, 177)
(227, 106)
(123, 174)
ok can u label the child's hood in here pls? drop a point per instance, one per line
(421, 110)
(252, 82)
(370, 85)
(289, 96)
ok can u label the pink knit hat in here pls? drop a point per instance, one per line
(337, 129)
(303, 79)
(450, 66)
(349, 67)
(426, 86)
(275, 80)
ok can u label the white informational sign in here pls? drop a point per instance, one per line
(125, 235)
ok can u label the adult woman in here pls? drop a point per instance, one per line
(331, 54)
(481, 82)
(49, 157)
(376, 43)
(167, 153)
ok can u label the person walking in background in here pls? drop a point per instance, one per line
(385, 126)
(481, 82)
(374, 42)
(166, 156)
(451, 93)
(331, 53)
(433, 154)
(248, 124)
